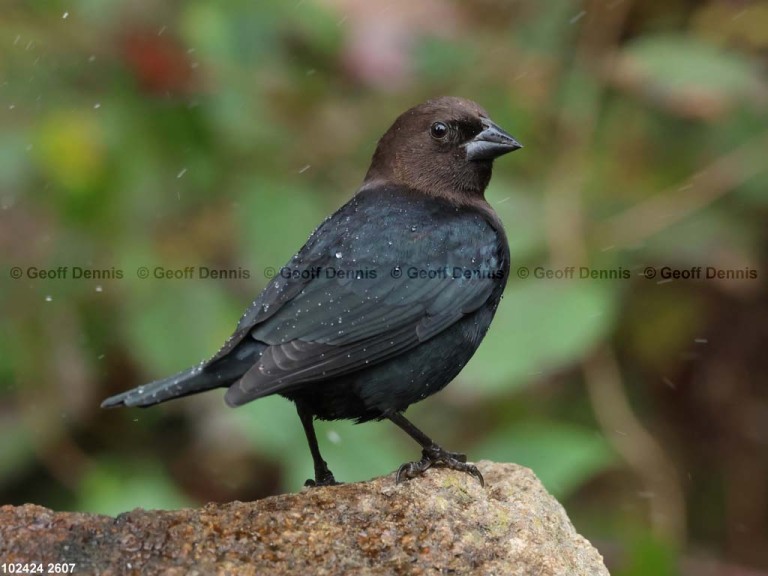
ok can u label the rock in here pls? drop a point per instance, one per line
(441, 523)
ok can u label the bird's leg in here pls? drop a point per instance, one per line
(323, 476)
(431, 454)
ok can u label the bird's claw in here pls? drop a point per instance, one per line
(436, 456)
(326, 479)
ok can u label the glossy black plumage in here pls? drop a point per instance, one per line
(425, 261)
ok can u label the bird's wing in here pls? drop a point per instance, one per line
(404, 283)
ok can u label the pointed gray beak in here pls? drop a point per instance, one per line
(491, 143)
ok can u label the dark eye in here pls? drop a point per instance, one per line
(438, 130)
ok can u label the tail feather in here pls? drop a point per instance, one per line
(184, 383)
(221, 373)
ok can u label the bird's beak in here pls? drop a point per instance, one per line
(491, 143)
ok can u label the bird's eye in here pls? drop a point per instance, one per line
(438, 130)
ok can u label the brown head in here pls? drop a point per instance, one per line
(443, 147)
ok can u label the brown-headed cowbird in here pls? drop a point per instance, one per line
(388, 299)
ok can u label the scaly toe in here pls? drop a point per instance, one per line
(436, 456)
(326, 480)
(470, 469)
(412, 469)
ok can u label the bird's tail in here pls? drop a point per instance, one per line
(200, 378)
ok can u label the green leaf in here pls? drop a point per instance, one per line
(514, 202)
(273, 427)
(17, 450)
(358, 452)
(679, 64)
(649, 555)
(563, 456)
(112, 489)
(437, 58)
(173, 324)
(276, 218)
(698, 239)
(541, 326)
(550, 28)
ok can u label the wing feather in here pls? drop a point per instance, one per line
(324, 326)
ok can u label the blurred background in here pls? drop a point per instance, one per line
(195, 134)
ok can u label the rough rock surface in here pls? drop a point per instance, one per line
(441, 523)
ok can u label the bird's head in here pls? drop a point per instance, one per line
(443, 147)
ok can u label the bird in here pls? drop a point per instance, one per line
(388, 299)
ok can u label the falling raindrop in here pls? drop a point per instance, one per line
(65, 16)
(49, 298)
(99, 288)
(578, 17)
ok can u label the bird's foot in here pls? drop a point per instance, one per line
(436, 456)
(324, 479)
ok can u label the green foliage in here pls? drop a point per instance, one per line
(554, 322)
(16, 450)
(648, 555)
(111, 488)
(161, 331)
(354, 452)
(563, 456)
(691, 67)
(293, 214)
